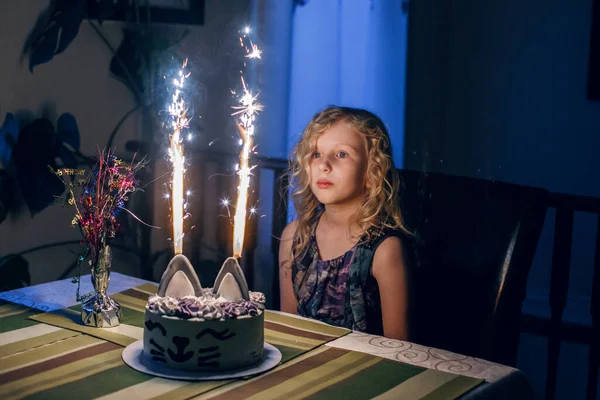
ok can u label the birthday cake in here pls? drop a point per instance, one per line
(187, 327)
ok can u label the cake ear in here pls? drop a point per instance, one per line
(229, 288)
(232, 267)
(179, 279)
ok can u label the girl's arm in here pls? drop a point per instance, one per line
(390, 272)
(288, 299)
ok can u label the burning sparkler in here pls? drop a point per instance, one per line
(179, 121)
(246, 114)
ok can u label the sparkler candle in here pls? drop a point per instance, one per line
(245, 113)
(229, 312)
(178, 112)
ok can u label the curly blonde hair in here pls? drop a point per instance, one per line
(381, 207)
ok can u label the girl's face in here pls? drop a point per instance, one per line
(337, 166)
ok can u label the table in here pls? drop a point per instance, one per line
(324, 367)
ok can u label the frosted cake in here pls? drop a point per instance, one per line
(187, 327)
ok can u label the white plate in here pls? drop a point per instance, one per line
(133, 356)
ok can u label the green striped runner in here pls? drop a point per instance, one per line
(60, 358)
(15, 316)
(292, 336)
(330, 373)
(87, 367)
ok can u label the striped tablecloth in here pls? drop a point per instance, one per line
(51, 355)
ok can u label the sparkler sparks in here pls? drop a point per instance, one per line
(255, 53)
(246, 114)
(179, 122)
(249, 106)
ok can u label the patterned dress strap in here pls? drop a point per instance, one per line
(360, 271)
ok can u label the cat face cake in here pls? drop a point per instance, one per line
(190, 328)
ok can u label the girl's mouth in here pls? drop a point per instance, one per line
(324, 183)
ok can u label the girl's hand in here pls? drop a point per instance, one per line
(288, 300)
(390, 272)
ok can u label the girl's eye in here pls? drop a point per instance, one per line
(342, 154)
(316, 155)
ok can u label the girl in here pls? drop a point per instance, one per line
(342, 260)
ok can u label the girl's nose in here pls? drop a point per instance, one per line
(324, 165)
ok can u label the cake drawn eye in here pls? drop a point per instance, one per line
(219, 335)
(152, 325)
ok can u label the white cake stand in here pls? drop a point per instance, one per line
(133, 356)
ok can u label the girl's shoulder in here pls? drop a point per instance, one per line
(376, 235)
(407, 243)
(290, 230)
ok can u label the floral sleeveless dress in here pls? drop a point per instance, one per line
(341, 291)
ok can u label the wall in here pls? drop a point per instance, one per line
(78, 81)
